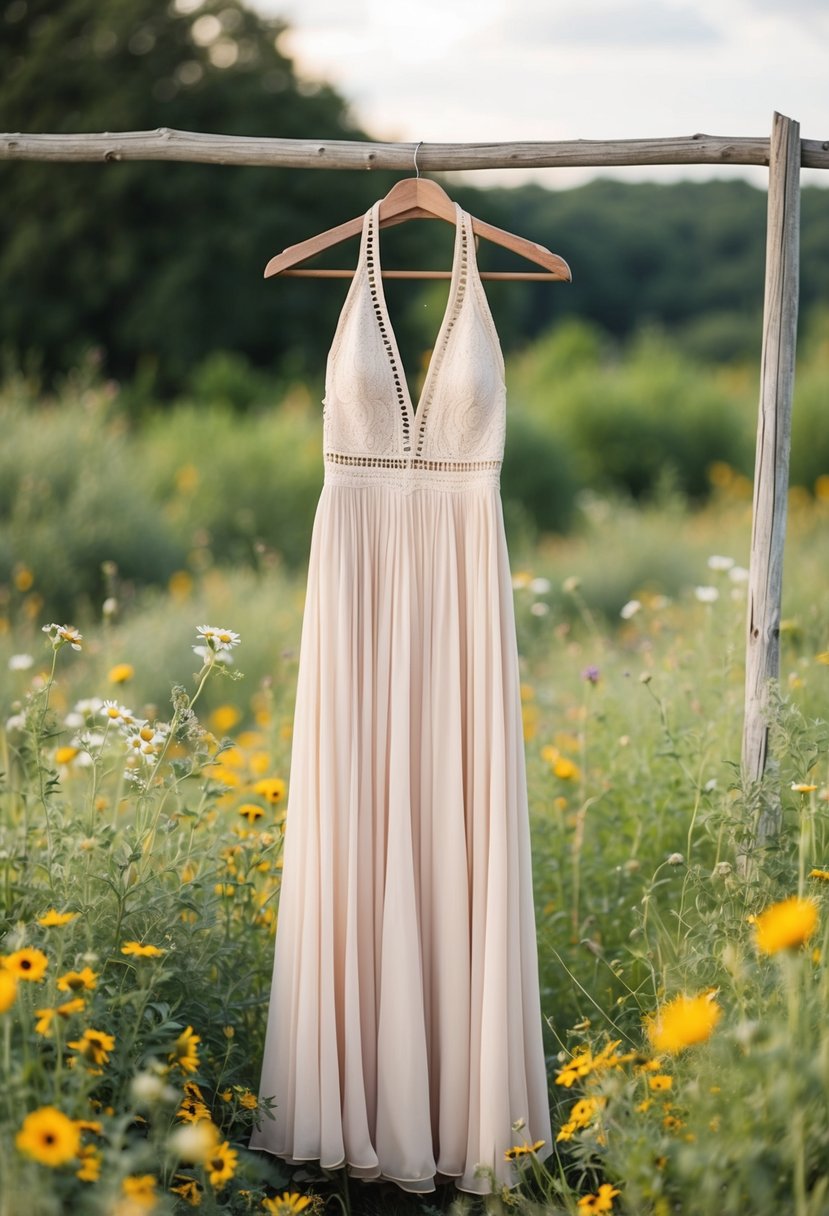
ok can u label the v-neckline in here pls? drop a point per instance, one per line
(414, 416)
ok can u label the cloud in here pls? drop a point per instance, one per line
(634, 23)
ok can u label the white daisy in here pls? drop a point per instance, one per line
(218, 638)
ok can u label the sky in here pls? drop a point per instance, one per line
(480, 71)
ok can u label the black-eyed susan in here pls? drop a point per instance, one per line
(54, 919)
(48, 1136)
(140, 1189)
(683, 1022)
(27, 964)
(522, 1150)
(272, 789)
(190, 1189)
(78, 981)
(220, 1164)
(192, 1110)
(8, 989)
(289, 1203)
(601, 1201)
(823, 875)
(93, 1047)
(660, 1082)
(76, 1005)
(786, 925)
(142, 950)
(184, 1054)
(43, 1025)
(251, 812)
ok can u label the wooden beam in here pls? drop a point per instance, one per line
(199, 146)
(771, 475)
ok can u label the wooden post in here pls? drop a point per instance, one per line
(771, 471)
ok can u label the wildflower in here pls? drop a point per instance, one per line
(191, 1090)
(671, 1123)
(272, 789)
(224, 718)
(147, 1088)
(660, 1082)
(803, 787)
(786, 924)
(65, 755)
(580, 1066)
(591, 674)
(139, 950)
(540, 585)
(91, 1160)
(43, 1025)
(62, 635)
(93, 1046)
(707, 595)
(90, 1125)
(517, 1150)
(629, 609)
(287, 1204)
(715, 562)
(566, 769)
(48, 1136)
(683, 1021)
(823, 875)
(53, 918)
(20, 662)
(220, 1164)
(209, 656)
(568, 1130)
(189, 1189)
(27, 964)
(676, 859)
(184, 1054)
(248, 1100)
(77, 981)
(194, 1141)
(218, 639)
(140, 1188)
(600, 1202)
(251, 812)
(114, 712)
(120, 673)
(192, 1110)
(8, 989)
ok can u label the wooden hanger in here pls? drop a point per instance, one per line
(417, 198)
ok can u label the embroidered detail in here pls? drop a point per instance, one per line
(414, 462)
(407, 474)
(374, 287)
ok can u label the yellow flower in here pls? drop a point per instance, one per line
(786, 924)
(600, 1202)
(90, 1125)
(8, 989)
(523, 1150)
(249, 1100)
(566, 770)
(671, 1123)
(66, 754)
(580, 1066)
(226, 1095)
(192, 1110)
(69, 1007)
(220, 1164)
(660, 1082)
(821, 874)
(682, 1022)
(803, 787)
(286, 1204)
(75, 981)
(567, 1131)
(141, 951)
(140, 1188)
(272, 789)
(90, 1170)
(23, 577)
(251, 812)
(224, 718)
(93, 1046)
(189, 1189)
(48, 1136)
(27, 964)
(43, 1025)
(184, 1054)
(54, 918)
(120, 673)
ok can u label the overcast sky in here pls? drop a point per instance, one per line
(475, 71)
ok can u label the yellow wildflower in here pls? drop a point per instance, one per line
(272, 789)
(140, 1188)
(90, 1168)
(66, 754)
(682, 1022)
(54, 918)
(803, 787)
(823, 875)
(660, 1082)
(289, 1203)
(27, 964)
(251, 811)
(138, 950)
(120, 673)
(48, 1136)
(184, 1054)
(786, 925)
(602, 1201)
(93, 1046)
(220, 1164)
(189, 1189)
(523, 1150)
(75, 981)
(8, 989)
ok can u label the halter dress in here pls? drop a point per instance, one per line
(404, 1035)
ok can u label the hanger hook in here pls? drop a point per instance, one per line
(417, 171)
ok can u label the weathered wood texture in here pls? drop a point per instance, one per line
(167, 144)
(771, 476)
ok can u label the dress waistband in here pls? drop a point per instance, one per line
(409, 473)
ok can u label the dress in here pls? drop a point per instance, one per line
(404, 1027)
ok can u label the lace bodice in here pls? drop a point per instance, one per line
(371, 429)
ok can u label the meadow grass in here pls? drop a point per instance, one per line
(140, 852)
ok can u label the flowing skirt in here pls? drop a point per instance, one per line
(404, 1027)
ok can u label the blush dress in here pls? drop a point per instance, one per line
(404, 1031)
